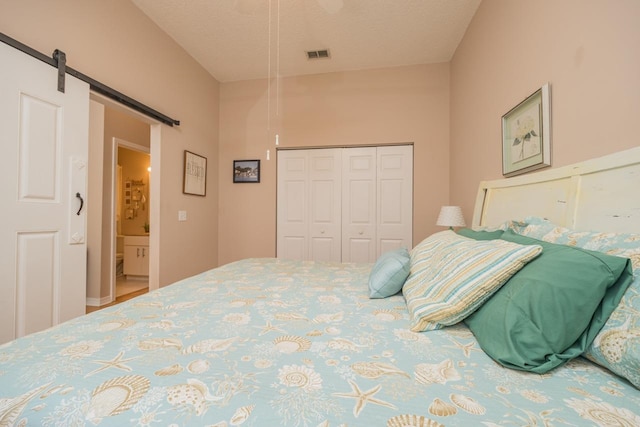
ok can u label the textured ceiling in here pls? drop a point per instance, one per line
(249, 39)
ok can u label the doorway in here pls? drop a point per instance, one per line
(131, 170)
(102, 251)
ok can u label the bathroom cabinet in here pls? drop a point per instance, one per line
(136, 256)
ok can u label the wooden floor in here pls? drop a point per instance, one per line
(118, 300)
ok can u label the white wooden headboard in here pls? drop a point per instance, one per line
(601, 194)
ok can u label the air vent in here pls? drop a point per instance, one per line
(318, 54)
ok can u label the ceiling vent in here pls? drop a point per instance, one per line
(318, 54)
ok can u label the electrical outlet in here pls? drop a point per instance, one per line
(182, 215)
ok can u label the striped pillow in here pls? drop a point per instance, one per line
(451, 276)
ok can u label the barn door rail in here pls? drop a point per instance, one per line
(59, 60)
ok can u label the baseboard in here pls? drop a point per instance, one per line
(98, 302)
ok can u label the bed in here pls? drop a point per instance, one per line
(269, 342)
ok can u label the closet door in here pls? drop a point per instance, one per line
(292, 212)
(394, 198)
(344, 204)
(359, 204)
(308, 205)
(324, 189)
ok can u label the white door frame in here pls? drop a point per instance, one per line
(115, 144)
(154, 193)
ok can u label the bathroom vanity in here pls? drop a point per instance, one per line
(136, 256)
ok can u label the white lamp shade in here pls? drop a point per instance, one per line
(451, 216)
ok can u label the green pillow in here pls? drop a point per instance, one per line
(480, 235)
(389, 273)
(553, 308)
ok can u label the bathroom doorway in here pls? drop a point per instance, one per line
(131, 197)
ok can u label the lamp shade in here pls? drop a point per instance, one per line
(451, 216)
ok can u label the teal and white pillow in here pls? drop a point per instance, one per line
(617, 346)
(452, 275)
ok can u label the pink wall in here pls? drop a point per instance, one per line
(404, 104)
(115, 43)
(588, 50)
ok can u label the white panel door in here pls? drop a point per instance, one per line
(44, 137)
(394, 198)
(324, 205)
(292, 210)
(359, 205)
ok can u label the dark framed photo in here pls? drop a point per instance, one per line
(246, 171)
(195, 174)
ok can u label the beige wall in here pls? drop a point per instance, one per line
(404, 104)
(589, 52)
(115, 43)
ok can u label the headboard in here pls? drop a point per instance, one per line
(601, 194)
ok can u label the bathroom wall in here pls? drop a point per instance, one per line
(135, 197)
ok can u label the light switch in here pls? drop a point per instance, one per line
(182, 215)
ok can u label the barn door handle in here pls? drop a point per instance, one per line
(81, 203)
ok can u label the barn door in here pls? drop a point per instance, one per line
(44, 139)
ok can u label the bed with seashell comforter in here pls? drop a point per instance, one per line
(265, 342)
(270, 342)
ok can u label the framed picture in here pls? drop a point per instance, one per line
(195, 174)
(246, 171)
(526, 134)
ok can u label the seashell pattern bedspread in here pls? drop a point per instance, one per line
(265, 342)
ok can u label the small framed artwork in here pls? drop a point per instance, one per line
(195, 174)
(246, 171)
(526, 134)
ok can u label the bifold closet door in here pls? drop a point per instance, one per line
(359, 204)
(377, 201)
(394, 194)
(344, 204)
(308, 205)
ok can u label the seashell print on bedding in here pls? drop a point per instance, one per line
(387, 315)
(241, 415)
(329, 318)
(10, 409)
(159, 343)
(206, 346)
(169, 370)
(292, 344)
(113, 325)
(467, 404)
(412, 421)
(300, 376)
(611, 343)
(81, 349)
(440, 373)
(116, 396)
(199, 366)
(344, 345)
(289, 317)
(195, 394)
(373, 370)
(441, 408)
(603, 414)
